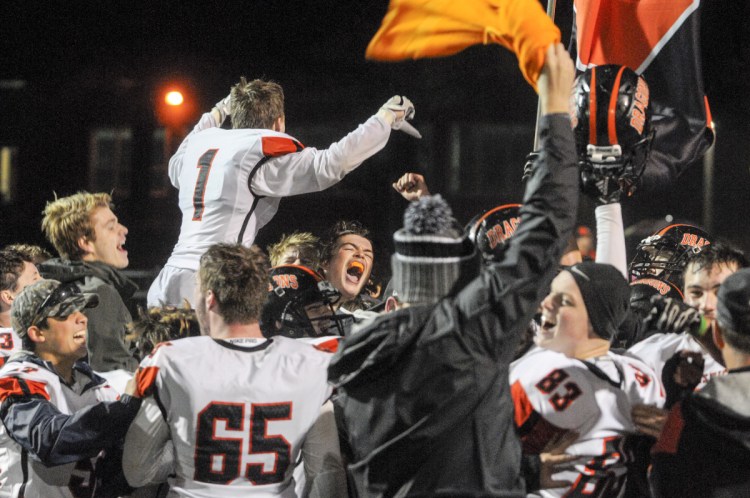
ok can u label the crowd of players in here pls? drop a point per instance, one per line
(497, 361)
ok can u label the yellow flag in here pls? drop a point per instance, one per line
(414, 29)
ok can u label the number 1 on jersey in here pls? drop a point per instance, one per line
(204, 165)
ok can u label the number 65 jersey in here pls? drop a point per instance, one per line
(236, 412)
(552, 393)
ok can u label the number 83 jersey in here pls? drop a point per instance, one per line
(236, 411)
(552, 393)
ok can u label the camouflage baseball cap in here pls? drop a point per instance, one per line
(45, 299)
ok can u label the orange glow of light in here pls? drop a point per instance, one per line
(174, 98)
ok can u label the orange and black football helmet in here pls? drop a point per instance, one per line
(664, 254)
(611, 117)
(300, 304)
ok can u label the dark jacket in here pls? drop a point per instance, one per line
(106, 341)
(38, 415)
(424, 390)
(704, 448)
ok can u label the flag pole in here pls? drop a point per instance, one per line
(551, 13)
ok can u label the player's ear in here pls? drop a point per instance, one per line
(391, 304)
(6, 298)
(85, 244)
(36, 334)
(211, 303)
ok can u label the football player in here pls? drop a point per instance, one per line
(347, 260)
(665, 253)
(703, 274)
(62, 424)
(297, 248)
(574, 382)
(231, 181)
(300, 304)
(16, 272)
(238, 408)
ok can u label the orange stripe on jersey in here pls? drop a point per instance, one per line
(3, 359)
(534, 431)
(278, 146)
(13, 386)
(612, 111)
(592, 108)
(145, 379)
(521, 403)
(329, 346)
(670, 434)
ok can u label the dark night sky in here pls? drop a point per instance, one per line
(98, 62)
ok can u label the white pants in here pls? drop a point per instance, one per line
(171, 287)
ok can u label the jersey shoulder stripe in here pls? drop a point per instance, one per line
(278, 146)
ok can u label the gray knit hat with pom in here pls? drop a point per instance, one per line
(434, 258)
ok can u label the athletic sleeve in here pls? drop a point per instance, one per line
(514, 287)
(610, 237)
(324, 470)
(148, 455)
(53, 437)
(175, 163)
(313, 170)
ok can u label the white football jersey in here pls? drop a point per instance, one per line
(231, 181)
(9, 344)
(552, 392)
(237, 412)
(657, 349)
(22, 476)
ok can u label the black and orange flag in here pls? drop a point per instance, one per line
(415, 29)
(659, 39)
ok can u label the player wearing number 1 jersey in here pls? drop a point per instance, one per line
(231, 181)
(238, 408)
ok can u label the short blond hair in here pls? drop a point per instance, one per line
(307, 245)
(68, 219)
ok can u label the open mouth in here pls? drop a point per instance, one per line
(80, 336)
(121, 247)
(547, 324)
(355, 271)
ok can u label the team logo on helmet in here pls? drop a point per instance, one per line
(491, 230)
(300, 304)
(664, 254)
(643, 289)
(612, 126)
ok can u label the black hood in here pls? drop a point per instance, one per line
(722, 409)
(73, 271)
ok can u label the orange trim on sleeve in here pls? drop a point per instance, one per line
(669, 439)
(11, 386)
(145, 379)
(329, 346)
(278, 146)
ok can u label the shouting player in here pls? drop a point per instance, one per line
(231, 181)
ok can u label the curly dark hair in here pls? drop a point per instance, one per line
(329, 241)
(162, 324)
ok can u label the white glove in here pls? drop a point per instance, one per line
(224, 108)
(396, 110)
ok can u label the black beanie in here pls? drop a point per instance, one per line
(605, 293)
